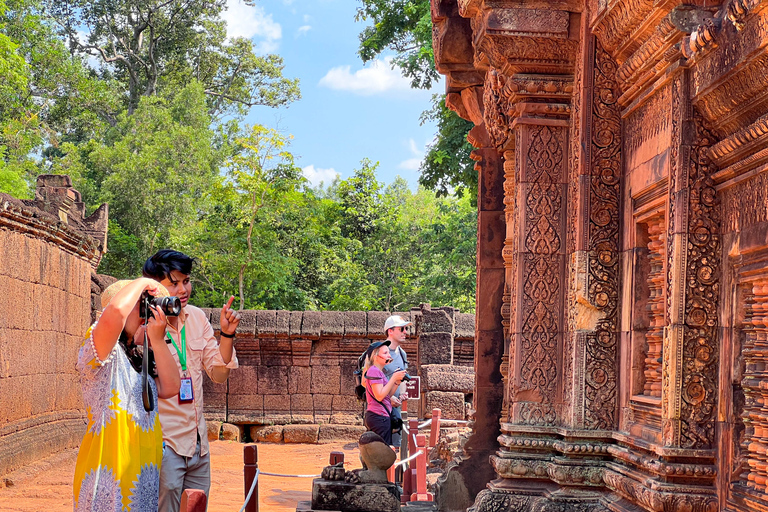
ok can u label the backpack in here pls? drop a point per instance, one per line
(358, 373)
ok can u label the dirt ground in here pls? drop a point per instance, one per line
(47, 484)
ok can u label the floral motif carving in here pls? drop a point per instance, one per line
(603, 249)
(496, 122)
(702, 291)
(619, 20)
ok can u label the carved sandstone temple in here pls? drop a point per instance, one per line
(622, 328)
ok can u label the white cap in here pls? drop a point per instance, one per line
(395, 321)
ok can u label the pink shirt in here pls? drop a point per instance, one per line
(182, 423)
(376, 376)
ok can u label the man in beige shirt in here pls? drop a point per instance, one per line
(186, 461)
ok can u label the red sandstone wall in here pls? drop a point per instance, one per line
(45, 308)
(297, 366)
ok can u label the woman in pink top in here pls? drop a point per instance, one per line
(378, 390)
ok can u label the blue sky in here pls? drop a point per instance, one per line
(348, 111)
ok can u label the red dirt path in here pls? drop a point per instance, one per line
(47, 484)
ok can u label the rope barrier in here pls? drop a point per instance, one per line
(409, 459)
(426, 423)
(289, 476)
(250, 492)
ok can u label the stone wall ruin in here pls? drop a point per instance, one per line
(47, 254)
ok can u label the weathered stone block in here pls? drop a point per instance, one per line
(435, 348)
(347, 419)
(301, 403)
(282, 323)
(464, 326)
(435, 320)
(294, 323)
(323, 404)
(301, 434)
(231, 432)
(275, 351)
(326, 379)
(214, 429)
(273, 380)
(444, 377)
(310, 324)
(249, 408)
(325, 352)
(243, 381)
(331, 323)
(299, 379)
(266, 322)
(276, 404)
(340, 432)
(300, 352)
(376, 321)
(346, 404)
(267, 434)
(451, 404)
(355, 323)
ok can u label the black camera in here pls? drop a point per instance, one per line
(406, 377)
(171, 306)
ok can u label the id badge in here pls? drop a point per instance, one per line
(186, 394)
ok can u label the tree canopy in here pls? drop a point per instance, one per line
(143, 104)
(405, 27)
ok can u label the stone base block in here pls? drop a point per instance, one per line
(337, 495)
(231, 432)
(268, 434)
(346, 419)
(301, 433)
(340, 432)
(445, 377)
(214, 429)
(451, 404)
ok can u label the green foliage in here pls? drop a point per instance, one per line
(405, 27)
(447, 166)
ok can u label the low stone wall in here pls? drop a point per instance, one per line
(296, 367)
(45, 308)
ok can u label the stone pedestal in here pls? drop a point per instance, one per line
(348, 497)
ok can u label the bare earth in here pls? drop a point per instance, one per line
(47, 484)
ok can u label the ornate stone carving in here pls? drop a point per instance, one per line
(656, 278)
(654, 499)
(488, 501)
(755, 415)
(603, 248)
(701, 346)
(493, 111)
(619, 20)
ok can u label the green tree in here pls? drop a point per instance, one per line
(405, 27)
(148, 44)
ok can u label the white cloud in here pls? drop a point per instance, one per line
(253, 23)
(317, 176)
(303, 30)
(377, 78)
(412, 164)
(307, 18)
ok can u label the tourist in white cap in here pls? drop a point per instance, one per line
(396, 329)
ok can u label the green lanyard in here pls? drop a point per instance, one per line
(183, 352)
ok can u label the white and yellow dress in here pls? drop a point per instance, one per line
(118, 465)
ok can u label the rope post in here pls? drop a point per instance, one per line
(421, 493)
(250, 465)
(434, 433)
(408, 473)
(335, 458)
(193, 500)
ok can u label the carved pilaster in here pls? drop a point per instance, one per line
(689, 374)
(509, 305)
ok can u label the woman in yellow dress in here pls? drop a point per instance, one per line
(118, 465)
